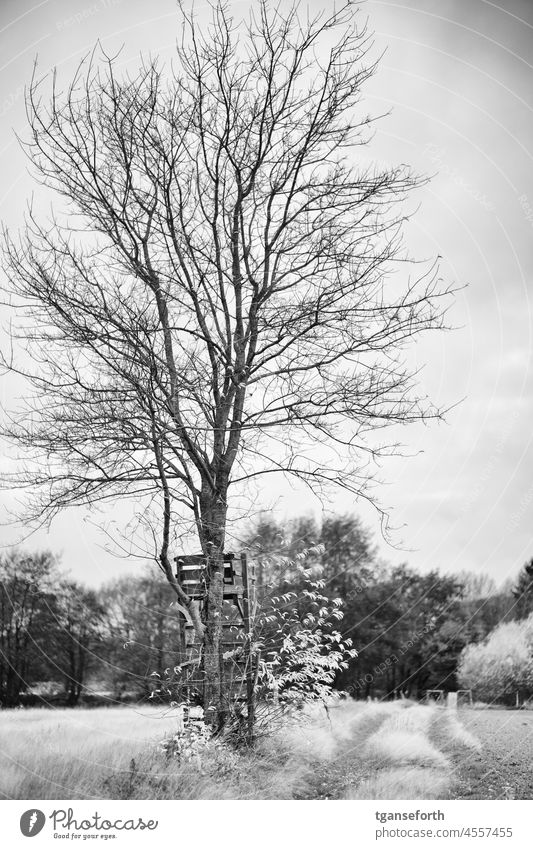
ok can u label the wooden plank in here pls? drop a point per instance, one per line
(190, 559)
(200, 559)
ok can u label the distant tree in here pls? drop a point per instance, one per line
(350, 556)
(346, 556)
(141, 633)
(523, 591)
(27, 622)
(267, 545)
(409, 629)
(303, 533)
(481, 616)
(502, 665)
(443, 650)
(476, 585)
(396, 624)
(79, 618)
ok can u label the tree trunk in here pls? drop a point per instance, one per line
(14, 686)
(213, 513)
(213, 695)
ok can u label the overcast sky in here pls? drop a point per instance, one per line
(457, 80)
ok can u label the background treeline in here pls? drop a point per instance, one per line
(61, 642)
(409, 629)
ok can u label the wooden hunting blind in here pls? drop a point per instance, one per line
(191, 573)
(237, 660)
(238, 591)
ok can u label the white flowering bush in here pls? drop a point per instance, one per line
(501, 665)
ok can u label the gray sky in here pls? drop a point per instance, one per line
(457, 79)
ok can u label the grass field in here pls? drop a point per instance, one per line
(69, 754)
(355, 750)
(502, 767)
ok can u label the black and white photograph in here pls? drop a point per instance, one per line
(266, 491)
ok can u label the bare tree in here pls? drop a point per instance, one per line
(217, 298)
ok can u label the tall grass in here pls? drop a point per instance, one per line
(404, 783)
(417, 719)
(116, 753)
(66, 754)
(402, 739)
(404, 747)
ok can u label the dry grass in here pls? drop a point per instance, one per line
(402, 739)
(406, 764)
(404, 783)
(115, 753)
(404, 747)
(416, 719)
(66, 754)
(316, 735)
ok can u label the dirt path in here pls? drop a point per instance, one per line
(408, 762)
(332, 778)
(485, 754)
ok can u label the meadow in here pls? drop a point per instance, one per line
(354, 750)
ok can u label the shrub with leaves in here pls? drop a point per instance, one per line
(297, 635)
(193, 743)
(295, 655)
(190, 739)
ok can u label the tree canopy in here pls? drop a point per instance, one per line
(218, 295)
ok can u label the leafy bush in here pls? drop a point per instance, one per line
(297, 635)
(502, 665)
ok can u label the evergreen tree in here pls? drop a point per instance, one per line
(523, 591)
